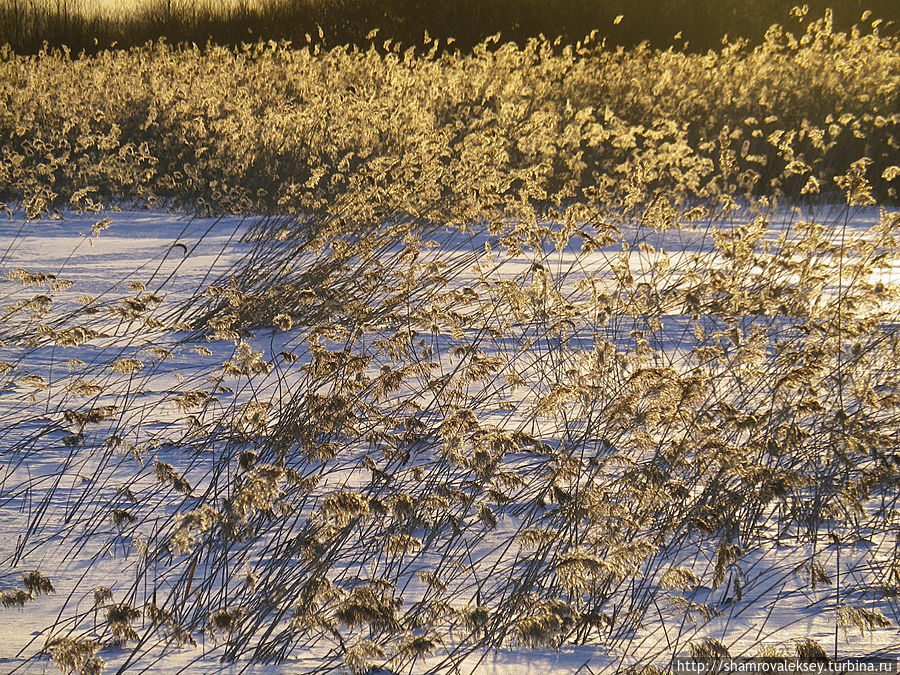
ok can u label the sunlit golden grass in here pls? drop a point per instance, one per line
(449, 137)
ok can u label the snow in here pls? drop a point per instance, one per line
(54, 498)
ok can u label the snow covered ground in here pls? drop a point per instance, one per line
(59, 495)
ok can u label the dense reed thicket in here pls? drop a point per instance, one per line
(267, 128)
(533, 348)
(82, 25)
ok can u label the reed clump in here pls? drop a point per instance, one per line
(323, 134)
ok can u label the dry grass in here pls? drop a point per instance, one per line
(350, 137)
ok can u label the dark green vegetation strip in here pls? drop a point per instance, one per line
(701, 23)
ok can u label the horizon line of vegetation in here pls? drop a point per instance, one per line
(692, 25)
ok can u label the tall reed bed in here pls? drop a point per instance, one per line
(271, 129)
